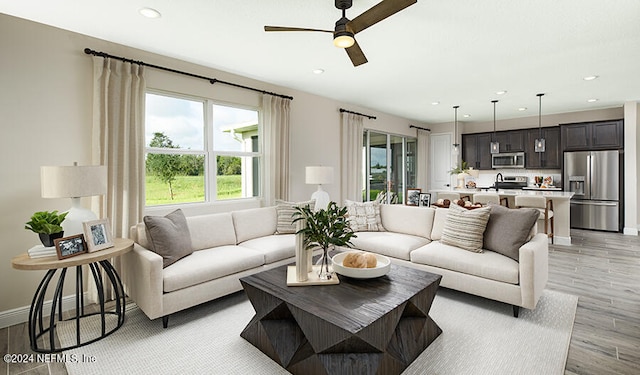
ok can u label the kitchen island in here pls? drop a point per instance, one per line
(561, 207)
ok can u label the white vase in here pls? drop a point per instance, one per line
(303, 256)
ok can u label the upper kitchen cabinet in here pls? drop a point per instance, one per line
(476, 150)
(600, 135)
(551, 157)
(511, 140)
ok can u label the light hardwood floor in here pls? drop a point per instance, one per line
(603, 269)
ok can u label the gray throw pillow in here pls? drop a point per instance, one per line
(508, 229)
(285, 212)
(464, 228)
(169, 236)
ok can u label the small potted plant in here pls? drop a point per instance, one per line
(47, 225)
(462, 171)
(325, 228)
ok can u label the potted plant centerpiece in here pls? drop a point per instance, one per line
(47, 225)
(325, 228)
(462, 171)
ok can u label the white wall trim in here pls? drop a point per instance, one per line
(558, 240)
(630, 231)
(21, 314)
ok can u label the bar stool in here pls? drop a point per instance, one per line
(543, 205)
(486, 198)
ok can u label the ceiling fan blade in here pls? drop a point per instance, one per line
(282, 28)
(377, 13)
(356, 55)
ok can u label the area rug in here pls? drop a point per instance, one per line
(479, 336)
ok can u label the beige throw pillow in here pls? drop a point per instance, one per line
(464, 228)
(169, 236)
(364, 217)
(285, 212)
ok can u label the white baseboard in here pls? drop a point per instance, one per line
(558, 240)
(21, 314)
(630, 231)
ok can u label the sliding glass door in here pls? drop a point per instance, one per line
(389, 166)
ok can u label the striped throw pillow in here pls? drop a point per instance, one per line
(285, 212)
(465, 228)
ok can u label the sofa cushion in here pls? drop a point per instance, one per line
(169, 236)
(396, 245)
(440, 217)
(508, 229)
(408, 220)
(274, 248)
(209, 264)
(488, 265)
(364, 217)
(464, 228)
(211, 230)
(254, 223)
(285, 211)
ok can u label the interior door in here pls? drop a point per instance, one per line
(440, 161)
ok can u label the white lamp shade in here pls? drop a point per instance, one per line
(319, 175)
(73, 181)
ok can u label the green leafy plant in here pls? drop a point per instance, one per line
(463, 168)
(46, 222)
(326, 227)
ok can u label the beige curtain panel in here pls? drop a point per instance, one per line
(276, 114)
(352, 128)
(118, 143)
(422, 164)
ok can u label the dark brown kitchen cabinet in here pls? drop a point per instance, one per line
(511, 140)
(600, 135)
(551, 157)
(476, 150)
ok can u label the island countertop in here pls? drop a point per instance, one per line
(552, 194)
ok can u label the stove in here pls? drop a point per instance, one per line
(512, 182)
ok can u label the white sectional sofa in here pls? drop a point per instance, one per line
(229, 246)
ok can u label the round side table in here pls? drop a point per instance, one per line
(95, 261)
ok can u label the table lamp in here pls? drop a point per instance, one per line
(74, 182)
(319, 176)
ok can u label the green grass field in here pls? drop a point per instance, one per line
(190, 189)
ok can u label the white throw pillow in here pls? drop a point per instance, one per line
(364, 217)
(285, 212)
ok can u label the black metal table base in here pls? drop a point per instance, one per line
(37, 318)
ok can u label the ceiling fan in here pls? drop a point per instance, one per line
(345, 30)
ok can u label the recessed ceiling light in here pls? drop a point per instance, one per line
(150, 13)
(522, 109)
(590, 78)
(318, 71)
(592, 100)
(466, 115)
(435, 103)
(501, 92)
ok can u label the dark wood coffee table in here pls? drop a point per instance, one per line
(374, 326)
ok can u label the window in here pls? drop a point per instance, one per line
(199, 151)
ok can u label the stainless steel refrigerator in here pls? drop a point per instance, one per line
(594, 178)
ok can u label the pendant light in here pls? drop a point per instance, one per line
(540, 143)
(456, 145)
(495, 145)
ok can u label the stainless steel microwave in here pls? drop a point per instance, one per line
(508, 160)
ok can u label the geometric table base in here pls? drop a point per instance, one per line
(302, 343)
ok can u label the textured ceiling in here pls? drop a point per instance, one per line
(456, 52)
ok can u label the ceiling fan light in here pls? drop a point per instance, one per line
(343, 40)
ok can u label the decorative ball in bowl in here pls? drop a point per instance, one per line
(356, 264)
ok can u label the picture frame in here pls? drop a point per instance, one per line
(70, 246)
(425, 199)
(413, 197)
(97, 234)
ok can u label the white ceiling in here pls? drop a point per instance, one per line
(456, 52)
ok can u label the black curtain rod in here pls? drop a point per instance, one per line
(211, 80)
(356, 113)
(417, 127)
